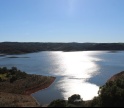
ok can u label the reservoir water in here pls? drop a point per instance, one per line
(79, 72)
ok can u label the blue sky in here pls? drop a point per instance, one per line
(62, 20)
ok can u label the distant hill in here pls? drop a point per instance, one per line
(28, 47)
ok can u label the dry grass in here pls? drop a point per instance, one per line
(16, 100)
(17, 94)
(21, 86)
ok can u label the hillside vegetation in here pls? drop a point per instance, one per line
(28, 47)
(13, 83)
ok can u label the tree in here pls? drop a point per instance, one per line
(58, 103)
(75, 99)
(0, 79)
(13, 79)
(112, 94)
(95, 102)
(3, 70)
(13, 70)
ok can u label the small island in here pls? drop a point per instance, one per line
(17, 86)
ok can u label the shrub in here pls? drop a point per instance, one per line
(13, 79)
(112, 94)
(58, 103)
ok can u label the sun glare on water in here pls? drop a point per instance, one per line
(78, 68)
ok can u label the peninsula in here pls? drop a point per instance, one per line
(17, 86)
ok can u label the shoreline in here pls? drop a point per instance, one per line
(47, 86)
(36, 101)
(38, 87)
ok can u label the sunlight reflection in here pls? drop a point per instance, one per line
(71, 86)
(77, 64)
(78, 67)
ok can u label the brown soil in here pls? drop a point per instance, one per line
(39, 87)
(116, 76)
(16, 100)
(17, 94)
(28, 85)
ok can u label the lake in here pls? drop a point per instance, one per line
(79, 72)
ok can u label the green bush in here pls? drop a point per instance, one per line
(112, 94)
(13, 79)
(75, 99)
(95, 102)
(58, 103)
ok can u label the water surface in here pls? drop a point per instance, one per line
(79, 72)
